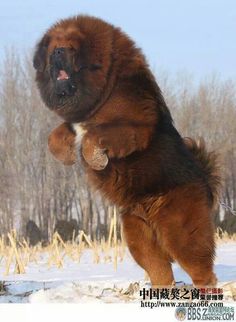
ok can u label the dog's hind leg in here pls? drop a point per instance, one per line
(144, 248)
(190, 241)
(197, 256)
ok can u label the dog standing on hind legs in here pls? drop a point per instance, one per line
(90, 73)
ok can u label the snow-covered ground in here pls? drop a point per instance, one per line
(86, 281)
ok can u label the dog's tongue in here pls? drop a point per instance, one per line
(62, 75)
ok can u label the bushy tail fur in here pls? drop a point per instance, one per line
(209, 163)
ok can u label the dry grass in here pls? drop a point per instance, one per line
(20, 254)
(223, 236)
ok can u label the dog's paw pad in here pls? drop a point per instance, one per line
(97, 158)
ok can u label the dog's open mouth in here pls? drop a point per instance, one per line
(62, 75)
(64, 83)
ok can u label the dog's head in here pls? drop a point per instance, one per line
(73, 61)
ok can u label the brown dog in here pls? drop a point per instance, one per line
(89, 72)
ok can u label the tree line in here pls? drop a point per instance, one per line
(34, 186)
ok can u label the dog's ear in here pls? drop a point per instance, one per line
(40, 55)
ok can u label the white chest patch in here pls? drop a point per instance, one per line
(80, 131)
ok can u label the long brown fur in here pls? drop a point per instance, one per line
(166, 186)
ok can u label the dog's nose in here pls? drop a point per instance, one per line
(58, 52)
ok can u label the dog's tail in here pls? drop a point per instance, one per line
(209, 164)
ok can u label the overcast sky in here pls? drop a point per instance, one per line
(197, 36)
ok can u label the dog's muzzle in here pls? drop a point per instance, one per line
(61, 72)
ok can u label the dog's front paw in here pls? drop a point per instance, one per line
(62, 144)
(95, 156)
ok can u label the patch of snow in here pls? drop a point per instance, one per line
(86, 281)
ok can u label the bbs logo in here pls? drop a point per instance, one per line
(180, 313)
